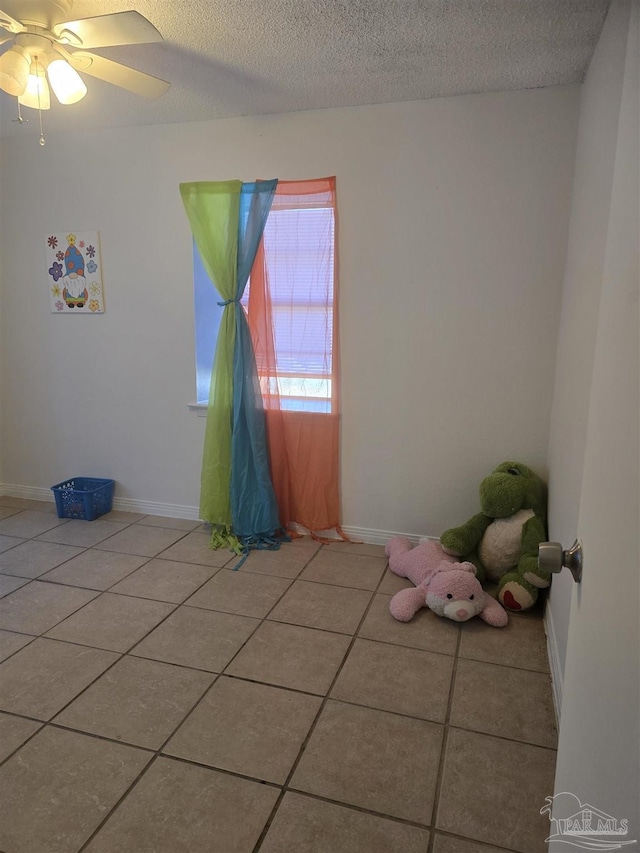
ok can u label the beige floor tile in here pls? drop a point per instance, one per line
(505, 701)
(424, 631)
(28, 523)
(362, 548)
(14, 731)
(137, 701)
(287, 562)
(196, 548)
(452, 844)
(305, 542)
(171, 523)
(243, 593)
(83, 533)
(351, 570)
(373, 759)
(392, 678)
(95, 569)
(179, 808)
(15, 503)
(43, 506)
(164, 580)
(10, 643)
(10, 584)
(393, 583)
(379, 732)
(204, 639)
(32, 559)
(20, 504)
(305, 824)
(121, 515)
(58, 788)
(247, 728)
(7, 542)
(142, 541)
(291, 656)
(6, 511)
(480, 771)
(112, 622)
(40, 679)
(317, 605)
(521, 643)
(36, 607)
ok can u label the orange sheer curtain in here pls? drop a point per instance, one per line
(293, 300)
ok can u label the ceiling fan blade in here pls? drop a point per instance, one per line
(118, 74)
(3, 39)
(107, 30)
(9, 23)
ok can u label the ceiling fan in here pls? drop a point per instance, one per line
(47, 46)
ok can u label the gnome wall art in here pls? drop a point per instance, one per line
(74, 268)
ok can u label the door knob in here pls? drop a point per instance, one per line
(551, 558)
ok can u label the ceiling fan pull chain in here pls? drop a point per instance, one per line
(20, 118)
(41, 141)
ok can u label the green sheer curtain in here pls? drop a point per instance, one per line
(212, 208)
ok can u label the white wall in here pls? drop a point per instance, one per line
(453, 229)
(1, 305)
(594, 171)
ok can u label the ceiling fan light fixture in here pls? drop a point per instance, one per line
(36, 95)
(14, 70)
(39, 62)
(67, 84)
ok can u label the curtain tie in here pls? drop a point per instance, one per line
(227, 302)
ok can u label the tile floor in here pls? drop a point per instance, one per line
(154, 701)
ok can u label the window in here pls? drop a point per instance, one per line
(299, 256)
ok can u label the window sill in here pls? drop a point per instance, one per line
(199, 408)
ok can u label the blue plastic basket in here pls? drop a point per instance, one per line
(83, 497)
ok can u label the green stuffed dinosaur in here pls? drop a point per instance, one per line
(502, 540)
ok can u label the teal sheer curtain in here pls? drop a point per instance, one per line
(254, 509)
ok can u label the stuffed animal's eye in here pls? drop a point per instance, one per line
(449, 595)
(470, 598)
(514, 472)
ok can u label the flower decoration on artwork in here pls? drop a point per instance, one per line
(94, 288)
(94, 305)
(92, 266)
(91, 251)
(55, 290)
(59, 305)
(81, 244)
(60, 256)
(52, 241)
(55, 271)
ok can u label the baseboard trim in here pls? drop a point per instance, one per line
(165, 510)
(31, 493)
(367, 534)
(554, 663)
(192, 513)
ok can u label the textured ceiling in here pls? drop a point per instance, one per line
(247, 57)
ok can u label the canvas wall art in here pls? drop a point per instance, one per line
(74, 272)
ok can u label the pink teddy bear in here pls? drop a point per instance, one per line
(448, 588)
